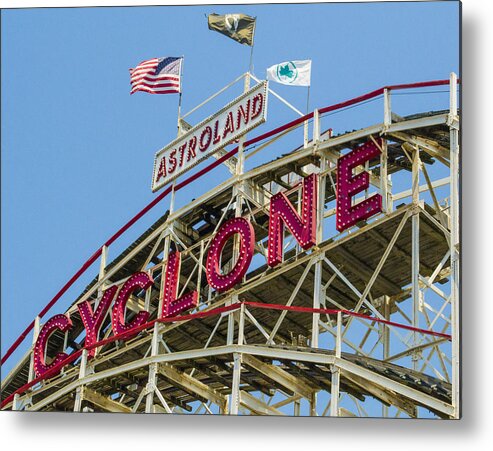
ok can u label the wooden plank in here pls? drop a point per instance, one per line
(103, 402)
(156, 408)
(346, 413)
(193, 385)
(277, 374)
(256, 405)
(441, 408)
(386, 396)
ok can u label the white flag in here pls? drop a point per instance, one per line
(296, 73)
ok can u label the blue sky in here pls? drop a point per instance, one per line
(77, 149)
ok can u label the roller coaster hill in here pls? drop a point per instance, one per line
(323, 281)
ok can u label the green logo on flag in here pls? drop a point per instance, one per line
(287, 73)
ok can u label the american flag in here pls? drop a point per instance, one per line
(157, 76)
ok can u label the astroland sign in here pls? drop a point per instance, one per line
(212, 134)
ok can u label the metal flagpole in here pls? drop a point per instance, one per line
(305, 131)
(179, 99)
(308, 101)
(250, 67)
(308, 92)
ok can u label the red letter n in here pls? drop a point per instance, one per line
(283, 213)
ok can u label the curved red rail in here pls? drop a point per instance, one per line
(199, 174)
(217, 311)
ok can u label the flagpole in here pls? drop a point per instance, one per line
(179, 98)
(306, 122)
(250, 67)
(308, 101)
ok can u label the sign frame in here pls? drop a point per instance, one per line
(212, 148)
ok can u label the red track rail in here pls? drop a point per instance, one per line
(199, 174)
(217, 311)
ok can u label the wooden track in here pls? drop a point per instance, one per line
(356, 254)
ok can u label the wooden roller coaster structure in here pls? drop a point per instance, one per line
(364, 323)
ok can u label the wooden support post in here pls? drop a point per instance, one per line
(37, 327)
(387, 108)
(79, 393)
(317, 283)
(237, 192)
(335, 370)
(385, 183)
(335, 388)
(317, 286)
(234, 403)
(415, 250)
(316, 126)
(166, 248)
(241, 325)
(153, 369)
(455, 244)
(156, 335)
(313, 405)
(102, 271)
(386, 340)
(16, 404)
(297, 408)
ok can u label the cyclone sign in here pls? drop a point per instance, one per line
(300, 220)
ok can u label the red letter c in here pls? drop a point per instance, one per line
(61, 322)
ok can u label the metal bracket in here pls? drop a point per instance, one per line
(453, 121)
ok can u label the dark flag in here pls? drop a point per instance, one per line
(239, 27)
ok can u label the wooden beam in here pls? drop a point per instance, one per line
(135, 304)
(385, 242)
(277, 374)
(245, 377)
(193, 385)
(286, 401)
(103, 402)
(230, 163)
(386, 396)
(431, 147)
(156, 408)
(209, 372)
(174, 400)
(302, 375)
(257, 406)
(346, 413)
(326, 383)
(365, 272)
(439, 407)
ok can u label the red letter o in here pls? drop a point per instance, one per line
(222, 282)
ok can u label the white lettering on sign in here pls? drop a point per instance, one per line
(212, 134)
